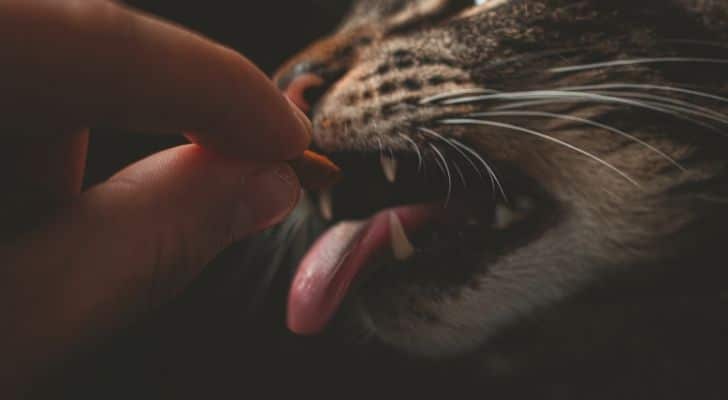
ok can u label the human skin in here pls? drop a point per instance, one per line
(79, 264)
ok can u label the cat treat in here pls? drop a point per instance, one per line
(316, 172)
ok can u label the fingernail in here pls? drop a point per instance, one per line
(270, 196)
(301, 116)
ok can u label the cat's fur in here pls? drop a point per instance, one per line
(628, 285)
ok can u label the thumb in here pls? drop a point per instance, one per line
(132, 242)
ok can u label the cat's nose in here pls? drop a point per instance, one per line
(302, 84)
(307, 76)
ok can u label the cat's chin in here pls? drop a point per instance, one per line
(407, 334)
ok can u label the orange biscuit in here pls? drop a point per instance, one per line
(315, 171)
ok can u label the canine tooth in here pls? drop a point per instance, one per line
(389, 166)
(326, 205)
(401, 245)
(503, 217)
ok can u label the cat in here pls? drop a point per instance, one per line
(535, 195)
(534, 205)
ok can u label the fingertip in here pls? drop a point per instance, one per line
(271, 196)
(273, 146)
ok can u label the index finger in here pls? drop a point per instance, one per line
(96, 63)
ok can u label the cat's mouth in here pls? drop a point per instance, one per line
(406, 212)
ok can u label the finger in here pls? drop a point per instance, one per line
(97, 63)
(131, 243)
(38, 175)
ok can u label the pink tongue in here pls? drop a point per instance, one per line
(335, 260)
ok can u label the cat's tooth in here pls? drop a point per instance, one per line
(326, 205)
(401, 245)
(389, 166)
(504, 217)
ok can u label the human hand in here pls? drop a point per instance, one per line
(96, 259)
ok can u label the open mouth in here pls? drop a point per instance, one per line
(404, 210)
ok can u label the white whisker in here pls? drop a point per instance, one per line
(676, 110)
(468, 121)
(667, 101)
(646, 87)
(420, 160)
(560, 96)
(491, 172)
(637, 61)
(461, 174)
(456, 93)
(446, 171)
(452, 145)
(581, 120)
(530, 103)
(523, 104)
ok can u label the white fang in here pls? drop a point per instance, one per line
(326, 205)
(401, 245)
(389, 166)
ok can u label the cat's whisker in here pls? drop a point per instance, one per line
(420, 159)
(470, 121)
(670, 102)
(508, 96)
(521, 104)
(637, 61)
(533, 103)
(545, 95)
(678, 112)
(457, 149)
(580, 120)
(391, 153)
(461, 174)
(700, 111)
(433, 134)
(560, 96)
(676, 89)
(453, 146)
(495, 182)
(442, 162)
(456, 93)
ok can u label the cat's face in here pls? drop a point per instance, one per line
(504, 155)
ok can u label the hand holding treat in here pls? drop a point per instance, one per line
(80, 263)
(316, 172)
